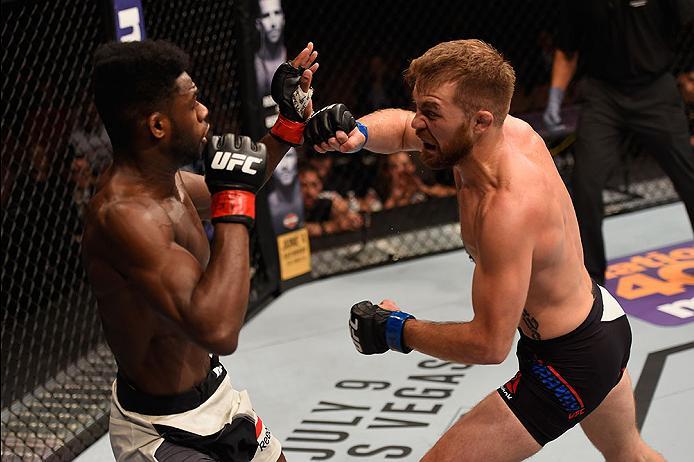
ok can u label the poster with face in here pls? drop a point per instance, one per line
(270, 54)
(284, 199)
(286, 206)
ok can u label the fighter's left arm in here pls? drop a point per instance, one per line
(295, 105)
(196, 188)
(499, 291)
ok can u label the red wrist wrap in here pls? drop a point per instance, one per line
(288, 131)
(233, 202)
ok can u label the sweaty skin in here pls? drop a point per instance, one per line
(528, 192)
(134, 286)
(166, 298)
(519, 227)
(516, 220)
(165, 304)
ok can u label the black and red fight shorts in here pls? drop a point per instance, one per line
(562, 380)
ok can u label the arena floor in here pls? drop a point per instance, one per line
(308, 383)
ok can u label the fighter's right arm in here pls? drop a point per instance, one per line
(567, 40)
(209, 305)
(389, 130)
(563, 68)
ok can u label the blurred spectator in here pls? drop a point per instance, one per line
(44, 221)
(91, 142)
(351, 175)
(401, 185)
(686, 83)
(8, 164)
(373, 91)
(326, 212)
(323, 164)
(532, 70)
(82, 180)
(627, 52)
(379, 87)
(436, 183)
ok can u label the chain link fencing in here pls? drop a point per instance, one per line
(51, 384)
(57, 371)
(364, 49)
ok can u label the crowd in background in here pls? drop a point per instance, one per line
(340, 190)
(54, 147)
(337, 189)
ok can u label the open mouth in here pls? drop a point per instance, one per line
(204, 137)
(426, 144)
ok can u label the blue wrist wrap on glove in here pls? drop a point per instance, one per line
(364, 131)
(394, 327)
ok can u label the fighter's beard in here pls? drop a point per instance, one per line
(449, 156)
(186, 149)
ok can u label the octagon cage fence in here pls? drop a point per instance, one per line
(56, 368)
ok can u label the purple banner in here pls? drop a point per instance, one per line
(657, 285)
(129, 21)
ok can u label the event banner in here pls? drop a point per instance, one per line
(128, 21)
(657, 285)
(284, 199)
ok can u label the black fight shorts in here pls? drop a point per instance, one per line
(562, 380)
(211, 422)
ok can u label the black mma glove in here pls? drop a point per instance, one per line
(234, 171)
(375, 330)
(323, 124)
(292, 101)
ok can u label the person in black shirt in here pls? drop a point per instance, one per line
(627, 53)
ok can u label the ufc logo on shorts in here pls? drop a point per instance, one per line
(229, 161)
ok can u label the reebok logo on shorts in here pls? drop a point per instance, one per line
(510, 387)
(225, 160)
(262, 434)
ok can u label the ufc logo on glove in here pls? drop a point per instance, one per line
(225, 160)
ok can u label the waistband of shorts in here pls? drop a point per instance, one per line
(593, 317)
(133, 400)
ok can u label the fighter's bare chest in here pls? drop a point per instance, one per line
(468, 209)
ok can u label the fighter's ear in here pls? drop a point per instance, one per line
(482, 121)
(158, 124)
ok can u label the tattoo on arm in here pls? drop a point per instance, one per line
(532, 324)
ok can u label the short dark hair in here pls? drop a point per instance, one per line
(132, 80)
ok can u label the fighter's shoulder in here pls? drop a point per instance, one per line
(193, 183)
(186, 177)
(521, 130)
(509, 210)
(117, 217)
